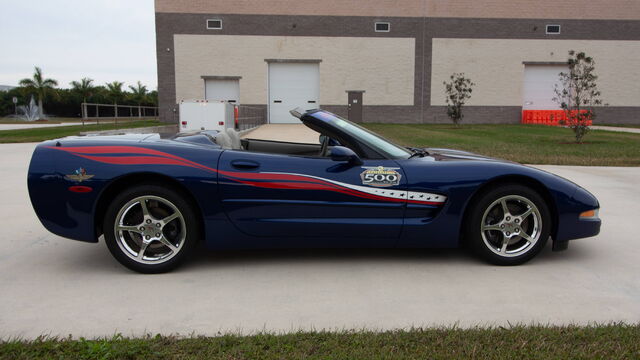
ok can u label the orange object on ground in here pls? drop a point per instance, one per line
(548, 117)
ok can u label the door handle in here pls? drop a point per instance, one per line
(245, 164)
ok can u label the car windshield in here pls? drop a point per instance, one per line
(371, 139)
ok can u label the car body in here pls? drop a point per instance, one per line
(354, 189)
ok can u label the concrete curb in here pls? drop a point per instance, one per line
(616, 129)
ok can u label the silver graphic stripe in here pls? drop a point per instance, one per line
(388, 193)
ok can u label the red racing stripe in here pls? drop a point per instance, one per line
(291, 181)
(128, 150)
(135, 160)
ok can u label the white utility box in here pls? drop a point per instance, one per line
(206, 115)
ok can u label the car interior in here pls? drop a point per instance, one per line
(230, 139)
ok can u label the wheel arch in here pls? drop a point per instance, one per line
(530, 182)
(122, 182)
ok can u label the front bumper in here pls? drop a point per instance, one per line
(571, 225)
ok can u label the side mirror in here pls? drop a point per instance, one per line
(341, 153)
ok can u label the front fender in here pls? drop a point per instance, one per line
(460, 181)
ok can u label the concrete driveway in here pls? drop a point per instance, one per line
(50, 285)
(284, 132)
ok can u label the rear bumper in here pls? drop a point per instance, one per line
(62, 212)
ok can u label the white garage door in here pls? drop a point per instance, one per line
(292, 85)
(226, 90)
(539, 82)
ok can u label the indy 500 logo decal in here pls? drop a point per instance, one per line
(380, 176)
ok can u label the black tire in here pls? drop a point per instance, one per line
(161, 201)
(490, 244)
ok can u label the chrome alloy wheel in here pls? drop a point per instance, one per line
(511, 226)
(150, 229)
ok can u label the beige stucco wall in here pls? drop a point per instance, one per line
(496, 67)
(384, 67)
(532, 9)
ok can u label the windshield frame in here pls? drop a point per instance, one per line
(370, 139)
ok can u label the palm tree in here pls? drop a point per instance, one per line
(84, 88)
(139, 95)
(153, 97)
(115, 93)
(41, 87)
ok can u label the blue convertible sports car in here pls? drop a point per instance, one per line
(153, 199)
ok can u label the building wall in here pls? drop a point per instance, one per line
(535, 9)
(514, 9)
(346, 63)
(488, 39)
(496, 67)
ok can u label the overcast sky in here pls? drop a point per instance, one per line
(105, 40)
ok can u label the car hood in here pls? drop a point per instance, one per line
(451, 155)
(439, 154)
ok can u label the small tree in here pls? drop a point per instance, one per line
(458, 91)
(578, 94)
(41, 86)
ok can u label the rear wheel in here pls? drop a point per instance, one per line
(509, 225)
(150, 229)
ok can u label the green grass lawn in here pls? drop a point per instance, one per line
(47, 133)
(15, 121)
(59, 120)
(531, 144)
(592, 342)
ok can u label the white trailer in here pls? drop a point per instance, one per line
(206, 115)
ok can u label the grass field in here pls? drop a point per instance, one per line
(59, 120)
(18, 122)
(41, 134)
(592, 342)
(53, 120)
(531, 144)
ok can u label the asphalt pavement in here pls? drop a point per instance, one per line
(54, 286)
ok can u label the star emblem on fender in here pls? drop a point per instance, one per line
(79, 175)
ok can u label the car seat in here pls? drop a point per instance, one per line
(224, 140)
(235, 139)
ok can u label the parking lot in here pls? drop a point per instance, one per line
(50, 285)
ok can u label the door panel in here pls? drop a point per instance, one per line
(224, 90)
(292, 85)
(538, 87)
(355, 106)
(291, 196)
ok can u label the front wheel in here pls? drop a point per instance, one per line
(509, 225)
(150, 228)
